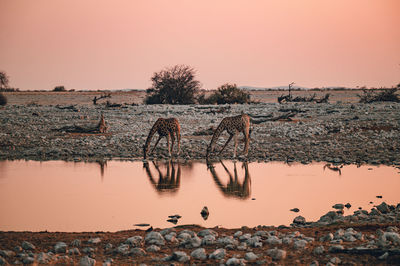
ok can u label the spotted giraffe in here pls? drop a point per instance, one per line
(166, 127)
(233, 125)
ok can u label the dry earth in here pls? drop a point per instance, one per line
(341, 132)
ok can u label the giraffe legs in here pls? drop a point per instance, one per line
(158, 140)
(172, 141)
(226, 143)
(169, 148)
(236, 144)
(246, 141)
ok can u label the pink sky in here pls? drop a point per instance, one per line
(119, 44)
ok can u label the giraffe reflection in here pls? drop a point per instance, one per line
(234, 188)
(168, 182)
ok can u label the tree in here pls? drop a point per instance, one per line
(173, 85)
(4, 79)
(226, 94)
(59, 88)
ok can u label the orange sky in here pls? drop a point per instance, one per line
(118, 44)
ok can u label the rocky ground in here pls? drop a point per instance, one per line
(340, 132)
(364, 238)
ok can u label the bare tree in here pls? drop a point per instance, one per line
(173, 85)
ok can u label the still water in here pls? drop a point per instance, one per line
(112, 196)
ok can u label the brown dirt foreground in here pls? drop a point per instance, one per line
(45, 242)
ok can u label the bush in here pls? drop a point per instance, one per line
(59, 88)
(3, 99)
(174, 85)
(382, 95)
(226, 94)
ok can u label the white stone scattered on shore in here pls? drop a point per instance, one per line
(199, 253)
(60, 247)
(87, 261)
(276, 254)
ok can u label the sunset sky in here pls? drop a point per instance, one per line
(118, 44)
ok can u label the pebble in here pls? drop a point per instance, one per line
(199, 253)
(276, 254)
(87, 261)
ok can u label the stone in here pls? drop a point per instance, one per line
(180, 256)
(383, 207)
(154, 238)
(74, 251)
(391, 237)
(299, 220)
(134, 241)
(234, 261)
(338, 206)
(218, 254)
(250, 256)
(7, 253)
(237, 234)
(384, 256)
(276, 254)
(87, 261)
(3, 261)
(300, 244)
(153, 248)
(335, 248)
(44, 258)
(94, 240)
(206, 232)
(184, 236)
(254, 242)
(122, 249)
(28, 260)
(60, 247)
(208, 240)
(137, 252)
(335, 260)
(273, 240)
(319, 250)
(339, 234)
(199, 254)
(190, 232)
(227, 240)
(76, 243)
(27, 245)
(244, 237)
(314, 263)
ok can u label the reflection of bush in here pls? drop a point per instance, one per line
(226, 94)
(3, 99)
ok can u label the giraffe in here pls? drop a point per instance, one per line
(166, 127)
(233, 124)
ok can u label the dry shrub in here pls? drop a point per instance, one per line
(3, 99)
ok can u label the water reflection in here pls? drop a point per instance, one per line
(167, 182)
(234, 188)
(103, 165)
(333, 168)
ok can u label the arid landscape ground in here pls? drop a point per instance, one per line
(36, 126)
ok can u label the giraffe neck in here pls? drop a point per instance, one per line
(149, 138)
(216, 135)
